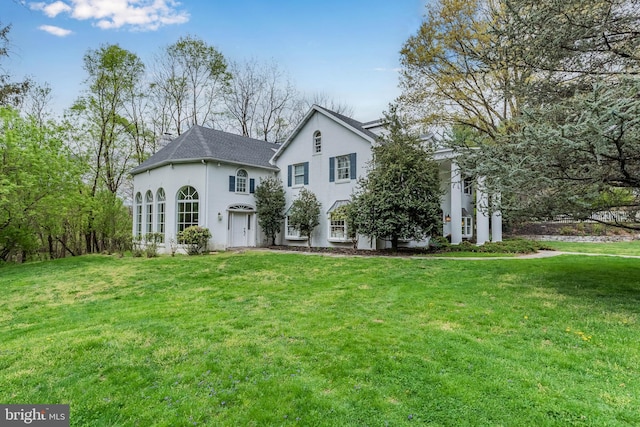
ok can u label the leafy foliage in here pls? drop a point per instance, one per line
(515, 246)
(575, 157)
(270, 204)
(40, 183)
(400, 196)
(455, 71)
(348, 213)
(304, 213)
(196, 239)
(548, 90)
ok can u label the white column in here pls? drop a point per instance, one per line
(456, 204)
(482, 213)
(496, 219)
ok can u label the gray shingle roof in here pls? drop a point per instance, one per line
(351, 122)
(200, 143)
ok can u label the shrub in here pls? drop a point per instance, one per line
(137, 246)
(196, 239)
(152, 240)
(598, 229)
(516, 246)
(566, 231)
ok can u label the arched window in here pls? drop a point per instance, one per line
(148, 202)
(241, 181)
(161, 201)
(317, 142)
(138, 217)
(187, 207)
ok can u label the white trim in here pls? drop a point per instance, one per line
(288, 236)
(241, 207)
(316, 109)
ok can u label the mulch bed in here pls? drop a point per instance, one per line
(350, 251)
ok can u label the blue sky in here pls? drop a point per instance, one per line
(347, 49)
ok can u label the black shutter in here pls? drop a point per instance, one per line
(252, 186)
(306, 173)
(232, 183)
(352, 165)
(289, 176)
(332, 169)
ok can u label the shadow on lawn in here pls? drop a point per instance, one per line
(613, 281)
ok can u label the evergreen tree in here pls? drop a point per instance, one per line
(400, 196)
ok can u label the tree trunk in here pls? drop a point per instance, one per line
(394, 244)
(52, 254)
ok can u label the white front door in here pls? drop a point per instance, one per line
(241, 231)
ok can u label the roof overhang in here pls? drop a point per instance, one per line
(138, 170)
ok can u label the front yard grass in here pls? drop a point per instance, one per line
(612, 248)
(265, 338)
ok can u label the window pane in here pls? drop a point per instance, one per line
(317, 143)
(342, 167)
(187, 208)
(161, 199)
(241, 181)
(298, 172)
(338, 229)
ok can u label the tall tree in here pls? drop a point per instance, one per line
(574, 148)
(549, 89)
(270, 204)
(400, 196)
(456, 71)
(188, 81)
(113, 75)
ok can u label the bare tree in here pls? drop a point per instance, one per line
(325, 100)
(188, 80)
(11, 93)
(37, 102)
(261, 100)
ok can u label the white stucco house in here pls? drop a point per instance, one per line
(207, 177)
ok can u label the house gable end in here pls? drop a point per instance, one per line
(346, 122)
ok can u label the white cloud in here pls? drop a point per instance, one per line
(52, 9)
(111, 14)
(56, 31)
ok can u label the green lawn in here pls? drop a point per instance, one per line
(614, 248)
(287, 339)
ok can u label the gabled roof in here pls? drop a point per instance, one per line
(200, 143)
(348, 122)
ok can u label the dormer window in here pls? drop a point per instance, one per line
(317, 142)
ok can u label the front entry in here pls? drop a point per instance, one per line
(241, 229)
